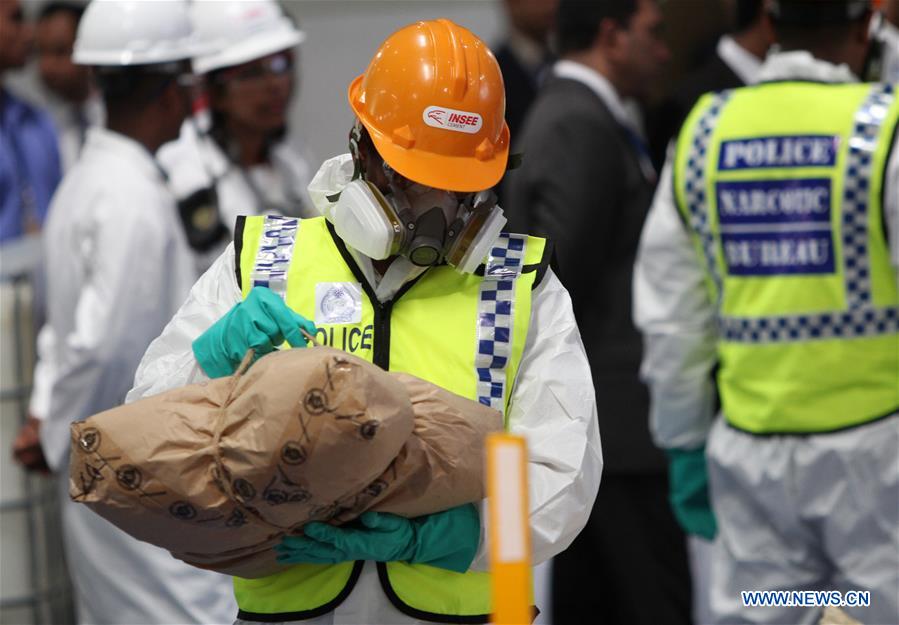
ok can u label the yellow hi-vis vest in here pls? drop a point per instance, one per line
(465, 333)
(781, 187)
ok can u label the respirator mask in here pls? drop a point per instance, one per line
(426, 225)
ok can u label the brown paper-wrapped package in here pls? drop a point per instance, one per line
(218, 472)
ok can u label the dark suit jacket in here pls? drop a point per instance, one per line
(520, 86)
(581, 185)
(665, 122)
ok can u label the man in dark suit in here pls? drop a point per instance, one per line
(587, 182)
(525, 59)
(735, 63)
(524, 56)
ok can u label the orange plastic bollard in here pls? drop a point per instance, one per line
(510, 539)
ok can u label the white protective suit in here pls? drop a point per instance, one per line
(118, 267)
(772, 495)
(195, 161)
(553, 403)
(888, 34)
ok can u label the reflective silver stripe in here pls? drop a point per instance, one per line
(695, 181)
(496, 308)
(865, 136)
(861, 318)
(274, 254)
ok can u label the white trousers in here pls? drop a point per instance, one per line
(700, 552)
(813, 512)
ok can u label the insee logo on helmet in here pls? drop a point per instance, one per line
(451, 119)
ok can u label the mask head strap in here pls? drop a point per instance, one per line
(358, 134)
(514, 161)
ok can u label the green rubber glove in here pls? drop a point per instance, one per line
(262, 321)
(448, 540)
(688, 481)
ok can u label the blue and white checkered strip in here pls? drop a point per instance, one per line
(865, 136)
(495, 317)
(862, 318)
(274, 254)
(695, 183)
(852, 324)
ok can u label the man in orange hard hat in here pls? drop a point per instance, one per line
(407, 267)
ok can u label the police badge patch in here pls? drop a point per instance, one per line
(338, 303)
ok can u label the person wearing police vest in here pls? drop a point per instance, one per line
(408, 268)
(772, 250)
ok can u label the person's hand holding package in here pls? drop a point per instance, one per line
(448, 540)
(27, 448)
(261, 322)
(305, 438)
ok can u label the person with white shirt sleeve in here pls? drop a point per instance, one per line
(446, 297)
(772, 250)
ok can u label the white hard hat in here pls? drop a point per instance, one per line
(134, 32)
(237, 31)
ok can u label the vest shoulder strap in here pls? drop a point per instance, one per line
(238, 248)
(539, 256)
(270, 239)
(546, 261)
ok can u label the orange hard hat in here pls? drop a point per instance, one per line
(433, 101)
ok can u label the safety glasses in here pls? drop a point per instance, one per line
(256, 73)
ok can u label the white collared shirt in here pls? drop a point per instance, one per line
(801, 65)
(741, 61)
(626, 112)
(600, 85)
